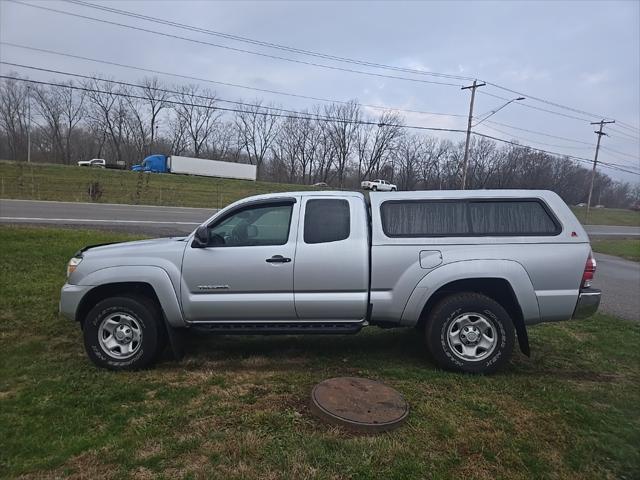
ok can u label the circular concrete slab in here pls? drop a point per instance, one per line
(359, 404)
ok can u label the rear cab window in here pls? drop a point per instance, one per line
(326, 220)
(469, 217)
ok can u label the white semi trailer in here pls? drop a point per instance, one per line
(196, 166)
(211, 168)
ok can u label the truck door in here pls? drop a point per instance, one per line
(246, 271)
(331, 272)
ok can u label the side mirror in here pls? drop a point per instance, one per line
(201, 237)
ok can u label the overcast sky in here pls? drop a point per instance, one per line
(584, 55)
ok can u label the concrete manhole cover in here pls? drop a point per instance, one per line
(359, 404)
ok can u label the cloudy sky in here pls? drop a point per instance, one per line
(583, 55)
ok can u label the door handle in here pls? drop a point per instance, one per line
(278, 259)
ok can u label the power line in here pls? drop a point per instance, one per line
(235, 49)
(626, 139)
(157, 89)
(227, 84)
(621, 158)
(612, 166)
(264, 43)
(539, 133)
(547, 102)
(528, 140)
(294, 115)
(537, 141)
(635, 157)
(305, 116)
(627, 135)
(316, 64)
(628, 126)
(323, 55)
(533, 107)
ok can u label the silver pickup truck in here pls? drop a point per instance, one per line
(470, 270)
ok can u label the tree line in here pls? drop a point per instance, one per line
(339, 144)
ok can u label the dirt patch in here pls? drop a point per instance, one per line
(86, 466)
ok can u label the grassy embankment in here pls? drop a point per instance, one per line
(607, 216)
(237, 407)
(71, 184)
(628, 248)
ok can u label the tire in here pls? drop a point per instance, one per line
(471, 333)
(124, 333)
(393, 189)
(374, 188)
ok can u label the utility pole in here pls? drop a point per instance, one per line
(466, 145)
(29, 124)
(600, 133)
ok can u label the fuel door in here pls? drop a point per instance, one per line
(430, 258)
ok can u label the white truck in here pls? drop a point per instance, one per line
(378, 186)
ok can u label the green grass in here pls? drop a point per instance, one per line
(237, 407)
(71, 184)
(607, 216)
(628, 248)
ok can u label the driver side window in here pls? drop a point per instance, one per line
(253, 226)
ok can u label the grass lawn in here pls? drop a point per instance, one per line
(628, 248)
(607, 216)
(71, 184)
(237, 407)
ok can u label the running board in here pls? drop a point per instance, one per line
(279, 328)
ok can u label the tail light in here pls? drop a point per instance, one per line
(589, 271)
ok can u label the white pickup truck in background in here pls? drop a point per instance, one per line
(378, 186)
(94, 162)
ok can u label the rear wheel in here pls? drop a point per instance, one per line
(124, 333)
(470, 332)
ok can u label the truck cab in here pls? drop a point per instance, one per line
(153, 164)
(470, 270)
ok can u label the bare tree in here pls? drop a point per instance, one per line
(14, 96)
(178, 135)
(408, 154)
(376, 143)
(257, 128)
(73, 111)
(107, 109)
(223, 143)
(156, 99)
(48, 106)
(197, 111)
(343, 134)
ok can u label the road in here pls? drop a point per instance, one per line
(151, 220)
(619, 279)
(612, 231)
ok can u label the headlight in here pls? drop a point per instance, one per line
(72, 265)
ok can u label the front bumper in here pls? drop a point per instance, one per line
(588, 302)
(70, 297)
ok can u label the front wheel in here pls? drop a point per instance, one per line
(374, 188)
(123, 333)
(470, 332)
